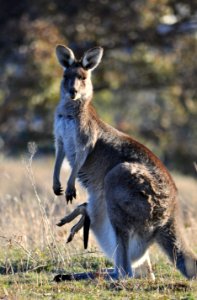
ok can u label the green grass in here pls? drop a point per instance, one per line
(27, 278)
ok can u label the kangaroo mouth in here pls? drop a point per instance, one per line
(75, 97)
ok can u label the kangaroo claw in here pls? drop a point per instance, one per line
(70, 194)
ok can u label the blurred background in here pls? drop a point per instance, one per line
(145, 86)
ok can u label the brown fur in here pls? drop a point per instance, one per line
(133, 200)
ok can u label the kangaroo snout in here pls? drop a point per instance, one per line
(73, 93)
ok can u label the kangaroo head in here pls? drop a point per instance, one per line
(76, 83)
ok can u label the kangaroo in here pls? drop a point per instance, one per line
(133, 201)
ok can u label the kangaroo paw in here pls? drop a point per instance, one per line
(70, 194)
(58, 190)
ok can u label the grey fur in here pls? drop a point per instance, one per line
(133, 200)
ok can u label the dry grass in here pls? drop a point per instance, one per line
(30, 240)
(29, 210)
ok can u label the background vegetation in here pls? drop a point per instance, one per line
(145, 86)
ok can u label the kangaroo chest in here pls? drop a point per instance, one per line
(66, 132)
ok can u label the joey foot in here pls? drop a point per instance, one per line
(83, 222)
(58, 190)
(70, 193)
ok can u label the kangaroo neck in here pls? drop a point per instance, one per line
(73, 108)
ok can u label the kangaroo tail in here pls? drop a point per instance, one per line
(170, 237)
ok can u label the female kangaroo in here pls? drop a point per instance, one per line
(132, 198)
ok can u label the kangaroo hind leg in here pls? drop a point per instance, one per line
(129, 213)
(122, 257)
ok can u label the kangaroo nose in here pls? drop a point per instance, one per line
(73, 93)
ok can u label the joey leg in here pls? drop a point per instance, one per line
(79, 210)
(83, 222)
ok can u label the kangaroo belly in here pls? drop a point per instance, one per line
(137, 248)
(106, 236)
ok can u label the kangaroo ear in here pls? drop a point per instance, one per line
(92, 58)
(65, 56)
